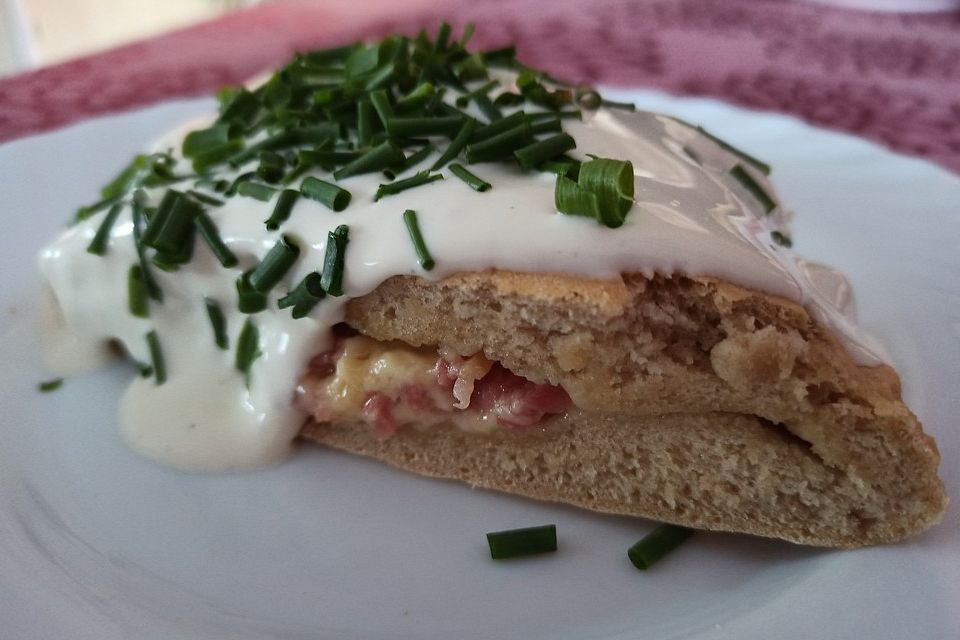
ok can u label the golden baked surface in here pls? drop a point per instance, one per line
(679, 382)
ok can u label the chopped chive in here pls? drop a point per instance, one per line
(98, 246)
(500, 126)
(500, 145)
(413, 228)
(759, 165)
(457, 144)
(515, 543)
(239, 180)
(465, 99)
(171, 227)
(248, 348)
(416, 127)
(333, 260)
(626, 106)
(50, 385)
(412, 160)
(218, 323)
(543, 150)
(249, 300)
(548, 125)
(500, 57)
(603, 190)
(781, 239)
(216, 155)
(476, 183)
(271, 167)
(658, 543)
(509, 99)
(153, 289)
(305, 296)
(326, 193)
(156, 358)
(210, 234)
(470, 68)
(365, 116)
(204, 198)
(256, 190)
(274, 265)
(746, 180)
(420, 96)
(393, 188)
(381, 104)
(241, 108)
(203, 140)
(282, 209)
(488, 108)
(384, 155)
(91, 210)
(138, 299)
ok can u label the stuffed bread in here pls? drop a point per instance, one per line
(603, 309)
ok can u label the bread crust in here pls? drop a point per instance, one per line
(651, 354)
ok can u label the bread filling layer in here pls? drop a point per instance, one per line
(392, 385)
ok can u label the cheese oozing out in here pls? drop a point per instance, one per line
(689, 216)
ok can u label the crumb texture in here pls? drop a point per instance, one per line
(678, 382)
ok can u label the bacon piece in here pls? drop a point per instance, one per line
(516, 401)
(378, 411)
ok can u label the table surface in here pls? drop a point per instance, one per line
(892, 78)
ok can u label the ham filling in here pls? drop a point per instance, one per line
(389, 385)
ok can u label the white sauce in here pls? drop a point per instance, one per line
(686, 219)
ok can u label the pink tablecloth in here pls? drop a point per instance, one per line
(892, 78)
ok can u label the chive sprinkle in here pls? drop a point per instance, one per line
(274, 265)
(271, 167)
(282, 209)
(457, 144)
(413, 228)
(412, 160)
(658, 543)
(380, 157)
(476, 183)
(156, 358)
(153, 289)
(204, 198)
(98, 246)
(515, 543)
(543, 150)
(425, 126)
(256, 190)
(500, 145)
(170, 228)
(248, 348)
(305, 296)
(137, 296)
(249, 300)
(393, 188)
(781, 239)
(218, 323)
(365, 116)
(746, 180)
(333, 260)
(603, 190)
(326, 193)
(210, 234)
(381, 104)
(50, 385)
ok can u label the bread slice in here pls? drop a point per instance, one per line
(696, 402)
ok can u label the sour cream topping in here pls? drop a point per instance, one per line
(690, 216)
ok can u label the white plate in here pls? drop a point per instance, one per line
(98, 543)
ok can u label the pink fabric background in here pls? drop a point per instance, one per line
(892, 78)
